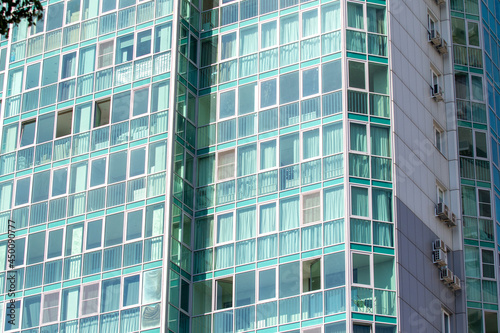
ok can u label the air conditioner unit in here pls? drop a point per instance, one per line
(452, 220)
(438, 244)
(443, 47)
(446, 275)
(440, 2)
(435, 37)
(437, 93)
(440, 258)
(442, 211)
(455, 285)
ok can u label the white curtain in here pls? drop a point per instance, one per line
(359, 201)
(225, 228)
(383, 234)
(289, 242)
(289, 54)
(361, 231)
(267, 247)
(289, 213)
(245, 252)
(355, 17)
(15, 82)
(380, 141)
(248, 65)
(333, 204)
(269, 34)
(289, 29)
(228, 46)
(268, 60)
(247, 160)
(245, 223)
(330, 17)
(69, 306)
(9, 139)
(310, 144)
(268, 154)
(310, 48)
(267, 219)
(6, 195)
(382, 205)
(224, 256)
(332, 139)
(309, 23)
(311, 237)
(358, 137)
(249, 40)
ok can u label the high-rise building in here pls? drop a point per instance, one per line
(263, 166)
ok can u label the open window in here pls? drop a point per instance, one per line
(27, 133)
(446, 322)
(224, 293)
(64, 121)
(101, 112)
(311, 275)
(436, 85)
(439, 138)
(432, 26)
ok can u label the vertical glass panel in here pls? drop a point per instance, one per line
(355, 18)
(117, 167)
(329, 70)
(55, 243)
(113, 233)
(269, 34)
(289, 279)
(94, 234)
(245, 289)
(289, 29)
(32, 76)
(41, 182)
(98, 172)
(378, 78)
(267, 284)
(289, 87)
(361, 269)
(45, 129)
(357, 75)
(289, 149)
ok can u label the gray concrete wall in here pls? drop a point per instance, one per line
(421, 293)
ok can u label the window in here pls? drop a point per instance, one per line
(64, 121)
(225, 228)
(267, 284)
(90, 299)
(484, 203)
(361, 269)
(50, 307)
(488, 263)
(432, 25)
(439, 138)
(98, 172)
(435, 82)
(101, 113)
(440, 195)
(361, 328)
(94, 235)
(224, 293)
(27, 133)
(143, 43)
(105, 56)
(226, 165)
(311, 275)
(311, 210)
(357, 75)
